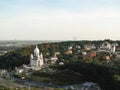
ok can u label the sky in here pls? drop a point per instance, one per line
(59, 19)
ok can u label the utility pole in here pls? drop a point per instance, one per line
(74, 38)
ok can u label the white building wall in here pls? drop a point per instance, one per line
(36, 60)
(33, 63)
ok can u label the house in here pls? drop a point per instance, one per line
(57, 53)
(106, 45)
(89, 47)
(61, 63)
(69, 52)
(54, 59)
(107, 58)
(3, 72)
(84, 54)
(93, 54)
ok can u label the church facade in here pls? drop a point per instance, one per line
(108, 46)
(36, 59)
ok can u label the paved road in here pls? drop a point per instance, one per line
(18, 83)
(8, 83)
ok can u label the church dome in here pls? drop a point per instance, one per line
(31, 57)
(36, 51)
(41, 56)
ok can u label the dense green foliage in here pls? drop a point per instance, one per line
(15, 58)
(108, 77)
(21, 56)
(60, 77)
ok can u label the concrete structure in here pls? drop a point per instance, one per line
(110, 47)
(36, 59)
(113, 49)
(106, 45)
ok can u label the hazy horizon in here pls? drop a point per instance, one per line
(59, 19)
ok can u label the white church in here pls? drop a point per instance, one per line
(36, 59)
(110, 47)
(36, 62)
